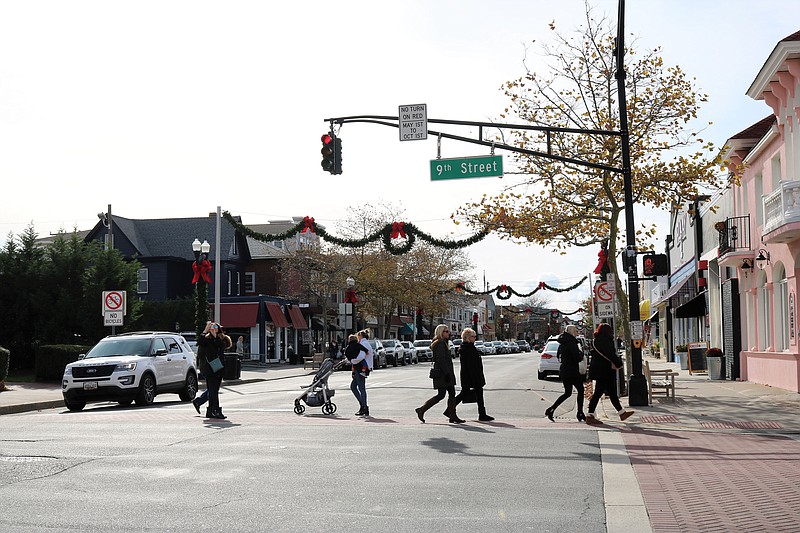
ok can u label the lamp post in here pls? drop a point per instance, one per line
(201, 267)
(350, 298)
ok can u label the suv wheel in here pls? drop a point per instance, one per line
(147, 390)
(74, 406)
(189, 390)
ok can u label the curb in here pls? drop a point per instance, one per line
(34, 406)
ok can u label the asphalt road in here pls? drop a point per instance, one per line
(163, 468)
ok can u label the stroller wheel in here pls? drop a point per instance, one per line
(299, 408)
(329, 408)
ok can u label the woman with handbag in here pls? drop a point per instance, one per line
(472, 378)
(210, 351)
(443, 376)
(602, 369)
(571, 354)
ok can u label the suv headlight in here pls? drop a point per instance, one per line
(123, 367)
(68, 371)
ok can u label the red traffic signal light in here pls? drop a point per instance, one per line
(331, 154)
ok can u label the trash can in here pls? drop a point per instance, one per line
(716, 370)
(684, 359)
(233, 366)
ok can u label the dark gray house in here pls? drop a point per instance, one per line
(164, 248)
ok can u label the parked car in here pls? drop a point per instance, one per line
(498, 347)
(452, 348)
(510, 347)
(191, 339)
(395, 353)
(411, 352)
(131, 367)
(487, 347)
(548, 360)
(379, 357)
(457, 344)
(424, 352)
(523, 345)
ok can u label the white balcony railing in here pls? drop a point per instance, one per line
(781, 206)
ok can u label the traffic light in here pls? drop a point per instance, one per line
(655, 265)
(331, 154)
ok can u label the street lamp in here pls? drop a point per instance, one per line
(350, 297)
(200, 279)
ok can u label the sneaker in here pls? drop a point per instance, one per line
(626, 415)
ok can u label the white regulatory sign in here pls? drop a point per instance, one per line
(413, 121)
(605, 310)
(113, 318)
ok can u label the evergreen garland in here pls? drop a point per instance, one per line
(504, 292)
(388, 233)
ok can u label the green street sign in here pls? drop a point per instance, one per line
(485, 166)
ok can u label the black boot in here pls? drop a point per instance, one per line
(425, 406)
(482, 416)
(451, 408)
(365, 411)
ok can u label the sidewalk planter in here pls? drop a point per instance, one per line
(682, 355)
(715, 361)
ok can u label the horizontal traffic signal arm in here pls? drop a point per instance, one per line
(383, 121)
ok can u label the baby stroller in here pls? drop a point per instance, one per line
(318, 394)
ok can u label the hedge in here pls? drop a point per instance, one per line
(51, 360)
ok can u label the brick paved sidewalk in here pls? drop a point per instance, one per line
(704, 481)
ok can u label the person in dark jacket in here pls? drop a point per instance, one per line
(445, 379)
(602, 371)
(210, 345)
(472, 378)
(571, 354)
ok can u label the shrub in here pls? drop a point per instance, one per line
(5, 359)
(713, 352)
(682, 348)
(51, 360)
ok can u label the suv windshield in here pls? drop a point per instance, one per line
(422, 343)
(389, 343)
(115, 347)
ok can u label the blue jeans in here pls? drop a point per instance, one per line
(359, 388)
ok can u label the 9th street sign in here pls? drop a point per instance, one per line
(488, 166)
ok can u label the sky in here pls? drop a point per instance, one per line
(168, 109)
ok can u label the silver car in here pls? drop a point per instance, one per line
(411, 352)
(424, 352)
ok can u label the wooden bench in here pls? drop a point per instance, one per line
(314, 360)
(659, 380)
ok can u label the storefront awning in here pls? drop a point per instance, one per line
(298, 321)
(407, 329)
(672, 291)
(276, 315)
(317, 325)
(693, 308)
(238, 315)
(653, 316)
(644, 310)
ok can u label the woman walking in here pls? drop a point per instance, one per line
(603, 367)
(472, 378)
(356, 354)
(211, 345)
(571, 354)
(443, 375)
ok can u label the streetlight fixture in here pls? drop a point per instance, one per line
(200, 279)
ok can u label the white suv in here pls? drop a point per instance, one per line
(131, 366)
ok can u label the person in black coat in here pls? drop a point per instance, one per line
(571, 354)
(602, 370)
(211, 345)
(444, 380)
(472, 378)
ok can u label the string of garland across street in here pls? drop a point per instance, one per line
(387, 234)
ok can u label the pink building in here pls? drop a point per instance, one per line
(766, 158)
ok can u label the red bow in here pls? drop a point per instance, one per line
(460, 286)
(308, 224)
(397, 230)
(503, 288)
(542, 285)
(350, 296)
(201, 270)
(603, 258)
(528, 310)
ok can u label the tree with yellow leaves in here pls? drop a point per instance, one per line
(561, 205)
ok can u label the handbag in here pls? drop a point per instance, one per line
(468, 396)
(216, 364)
(436, 373)
(582, 366)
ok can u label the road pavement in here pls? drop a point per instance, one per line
(722, 457)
